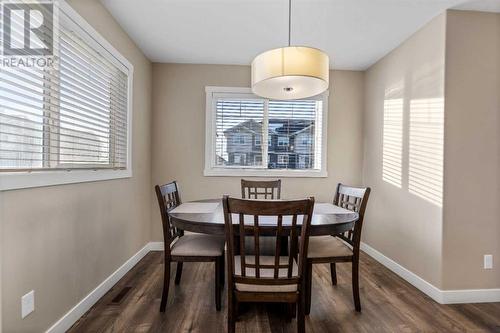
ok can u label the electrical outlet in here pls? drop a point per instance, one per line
(488, 261)
(27, 304)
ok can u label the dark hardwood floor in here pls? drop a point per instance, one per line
(389, 304)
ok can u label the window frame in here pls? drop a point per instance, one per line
(238, 139)
(283, 143)
(285, 157)
(211, 170)
(33, 178)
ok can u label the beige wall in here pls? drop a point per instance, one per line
(63, 241)
(472, 150)
(403, 226)
(179, 133)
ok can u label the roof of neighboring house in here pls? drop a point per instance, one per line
(308, 128)
(276, 126)
(249, 125)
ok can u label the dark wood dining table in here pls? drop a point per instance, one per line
(207, 217)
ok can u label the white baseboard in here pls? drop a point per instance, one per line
(424, 286)
(63, 324)
(440, 296)
(156, 246)
(470, 296)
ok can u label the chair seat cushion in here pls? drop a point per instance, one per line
(327, 246)
(265, 272)
(198, 245)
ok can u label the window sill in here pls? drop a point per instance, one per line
(264, 173)
(20, 180)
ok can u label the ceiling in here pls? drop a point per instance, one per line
(355, 33)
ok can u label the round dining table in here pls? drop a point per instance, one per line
(207, 217)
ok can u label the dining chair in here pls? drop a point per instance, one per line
(268, 189)
(266, 278)
(261, 189)
(192, 247)
(340, 248)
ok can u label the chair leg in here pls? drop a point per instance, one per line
(355, 285)
(178, 273)
(301, 319)
(218, 288)
(333, 272)
(222, 270)
(231, 315)
(166, 284)
(291, 310)
(288, 311)
(308, 288)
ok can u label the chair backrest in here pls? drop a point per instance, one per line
(354, 199)
(264, 189)
(266, 217)
(168, 198)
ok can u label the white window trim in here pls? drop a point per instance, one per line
(285, 157)
(29, 179)
(210, 121)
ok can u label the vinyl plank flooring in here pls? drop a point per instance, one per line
(389, 304)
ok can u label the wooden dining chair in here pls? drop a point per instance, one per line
(261, 189)
(274, 278)
(333, 249)
(191, 247)
(265, 189)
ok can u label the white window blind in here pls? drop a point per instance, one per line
(72, 117)
(238, 127)
(297, 125)
(294, 131)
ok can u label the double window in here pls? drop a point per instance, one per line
(238, 121)
(283, 141)
(74, 116)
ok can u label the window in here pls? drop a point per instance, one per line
(239, 159)
(283, 141)
(73, 118)
(291, 128)
(283, 159)
(304, 161)
(239, 139)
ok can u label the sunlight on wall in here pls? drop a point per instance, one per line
(425, 177)
(393, 141)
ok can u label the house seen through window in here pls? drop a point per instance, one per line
(293, 129)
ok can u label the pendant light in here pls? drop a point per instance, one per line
(291, 72)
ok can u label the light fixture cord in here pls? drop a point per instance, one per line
(289, 22)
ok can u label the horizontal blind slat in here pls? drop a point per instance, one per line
(19, 119)
(38, 98)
